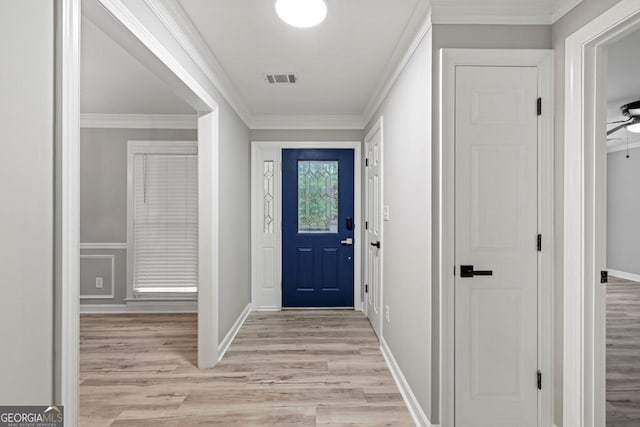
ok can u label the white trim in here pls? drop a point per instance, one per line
(103, 246)
(231, 335)
(377, 127)
(622, 147)
(346, 122)
(152, 307)
(66, 360)
(177, 22)
(499, 12)
(418, 415)
(584, 401)
(560, 12)
(145, 147)
(543, 60)
(398, 64)
(112, 259)
(209, 239)
(624, 275)
(139, 121)
(256, 223)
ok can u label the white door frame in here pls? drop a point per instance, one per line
(584, 337)
(67, 228)
(257, 220)
(377, 127)
(449, 60)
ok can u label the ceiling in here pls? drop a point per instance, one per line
(623, 78)
(343, 65)
(339, 63)
(114, 82)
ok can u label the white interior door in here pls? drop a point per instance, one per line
(496, 333)
(373, 225)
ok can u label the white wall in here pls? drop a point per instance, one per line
(235, 219)
(407, 236)
(26, 189)
(582, 14)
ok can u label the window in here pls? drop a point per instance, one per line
(317, 196)
(163, 211)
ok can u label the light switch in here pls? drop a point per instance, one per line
(99, 282)
(385, 212)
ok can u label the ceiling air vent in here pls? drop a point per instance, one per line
(281, 78)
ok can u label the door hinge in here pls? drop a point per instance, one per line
(539, 379)
(366, 162)
(539, 242)
(366, 289)
(366, 225)
(604, 276)
(539, 106)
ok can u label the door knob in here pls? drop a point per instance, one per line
(468, 271)
(376, 244)
(347, 242)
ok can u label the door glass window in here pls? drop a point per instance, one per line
(317, 196)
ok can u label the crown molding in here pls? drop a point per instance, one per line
(559, 12)
(353, 122)
(500, 12)
(139, 121)
(420, 18)
(178, 23)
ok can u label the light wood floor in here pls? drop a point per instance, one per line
(623, 353)
(295, 368)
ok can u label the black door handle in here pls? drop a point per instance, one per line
(468, 271)
(376, 244)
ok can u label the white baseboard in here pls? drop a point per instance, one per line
(419, 417)
(228, 339)
(167, 307)
(624, 275)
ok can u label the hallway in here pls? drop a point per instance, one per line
(298, 368)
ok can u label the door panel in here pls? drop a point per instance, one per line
(373, 217)
(496, 336)
(317, 200)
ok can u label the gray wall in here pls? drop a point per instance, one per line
(469, 37)
(564, 27)
(307, 135)
(623, 208)
(26, 188)
(235, 219)
(407, 236)
(103, 200)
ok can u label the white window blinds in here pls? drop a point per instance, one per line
(165, 223)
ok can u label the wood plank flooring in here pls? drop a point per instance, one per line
(294, 368)
(623, 353)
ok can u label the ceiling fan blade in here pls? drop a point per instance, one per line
(620, 121)
(616, 129)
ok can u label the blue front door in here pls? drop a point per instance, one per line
(318, 228)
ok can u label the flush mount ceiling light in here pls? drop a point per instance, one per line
(302, 13)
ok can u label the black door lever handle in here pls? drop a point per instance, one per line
(468, 271)
(376, 244)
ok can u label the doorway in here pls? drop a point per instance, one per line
(269, 231)
(374, 215)
(496, 214)
(585, 240)
(317, 228)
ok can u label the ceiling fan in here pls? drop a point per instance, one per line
(632, 123)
